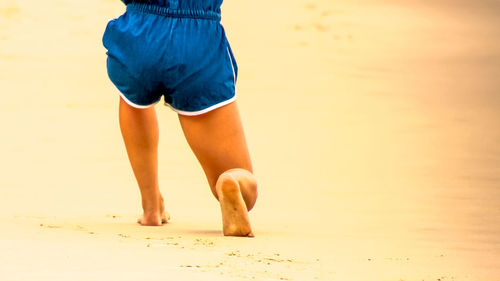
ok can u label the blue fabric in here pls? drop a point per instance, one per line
(173, 49)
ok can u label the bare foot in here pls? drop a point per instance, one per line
(156, 217)
(149, 219)
(235, 221)
(165, 216)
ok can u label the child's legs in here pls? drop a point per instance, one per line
(218, 141)
(139, 129)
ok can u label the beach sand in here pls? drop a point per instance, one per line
(374, 128)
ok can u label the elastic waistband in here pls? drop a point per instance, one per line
(174, 13)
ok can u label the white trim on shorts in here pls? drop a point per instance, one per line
(232, 67)
(190, 113)
(210, 108)
(136, 105)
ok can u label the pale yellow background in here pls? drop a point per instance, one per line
(374, 127)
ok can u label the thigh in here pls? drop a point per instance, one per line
(218, 141)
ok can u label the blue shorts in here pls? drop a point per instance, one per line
(176, 51)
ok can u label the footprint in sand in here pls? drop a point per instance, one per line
(50, 226)
(310, 6)
(321, 27)
(326, 13)
(9, 11)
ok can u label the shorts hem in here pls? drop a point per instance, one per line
(136, 105)
(205, 110)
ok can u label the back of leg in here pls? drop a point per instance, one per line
(218, 141)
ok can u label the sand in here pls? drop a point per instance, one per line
(373, 127)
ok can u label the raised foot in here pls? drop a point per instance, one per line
(235, 221)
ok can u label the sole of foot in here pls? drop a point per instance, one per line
(235, 221)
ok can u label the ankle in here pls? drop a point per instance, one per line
(151, 205)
